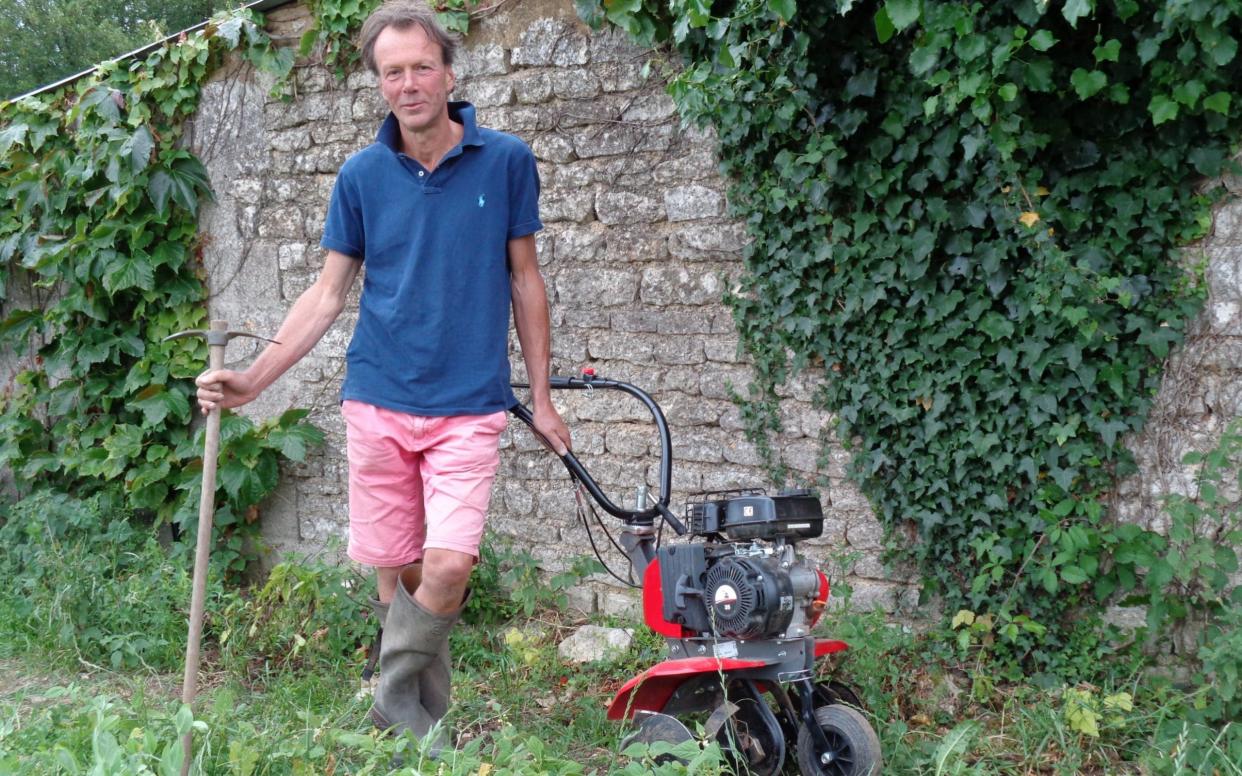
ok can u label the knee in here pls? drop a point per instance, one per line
(447, 571)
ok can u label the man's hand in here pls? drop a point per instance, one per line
(224, 388)
(549, 425)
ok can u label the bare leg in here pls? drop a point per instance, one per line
(445, 576)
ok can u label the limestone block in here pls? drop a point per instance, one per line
(863, 534)
(580, 599)
(636, 321)
(624, 207)
(574, 84)
(553, 148)
(620, 77)
(613, 45)
(282, 221)
(516, 498)
(696, 163)
(607, 141)
(295, 139)
(611, 411)
(290, 255)
(597, 287)
(551, 42)
(663, 322)
(313, 79)
(629, 440)
(719, 478)
(801, 454)
(1224, 272)
(740, 451)
(368, 105)
(700, 241)
(637, 244)
(1227, 225)
(684, 410)
(486, 93)
(561, 205)
(364, 80)
(720, 382)
(583, 319)
(665, 285)
(487, 59)
(650, 108)
(1226, 316)
(532, 87)
(579, 243)
(620, 346)
(724, 350)
(688, 203)
(846, 495)
(678, 351)
(869, 594)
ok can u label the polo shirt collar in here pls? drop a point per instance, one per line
(460, 111)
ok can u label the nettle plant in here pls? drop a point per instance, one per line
(973, 218)
(99, 261)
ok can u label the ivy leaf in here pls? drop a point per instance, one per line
(1189, 92)
(884, 29)
(785, 9)
(1218, 102)
(182, 181)
(129, 272)
(1109, 51)
(1088, 83)
(1029, 218)
(1162, 109)
(903, 13)
(14, 133)
(589, 11)
(1043, 40)
(1073, 10)
(140, 147)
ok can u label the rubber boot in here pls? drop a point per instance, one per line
(413, 639)
(435, 683)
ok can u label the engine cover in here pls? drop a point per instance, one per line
(748, 598)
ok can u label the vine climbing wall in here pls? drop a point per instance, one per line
(638, 252)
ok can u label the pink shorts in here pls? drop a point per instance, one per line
(417, 482)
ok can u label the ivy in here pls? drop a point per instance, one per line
(99, 261)
(971, 218)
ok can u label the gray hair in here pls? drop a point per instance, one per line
(402, 15)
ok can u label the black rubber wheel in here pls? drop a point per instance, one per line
(832, 691)
(853, 747)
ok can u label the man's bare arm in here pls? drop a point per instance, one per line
(311, 315)
(530, 317)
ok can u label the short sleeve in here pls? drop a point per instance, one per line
(523, 193)
(343, 230)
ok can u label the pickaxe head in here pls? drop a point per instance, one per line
(219, 337)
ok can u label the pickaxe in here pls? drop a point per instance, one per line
(217, 337)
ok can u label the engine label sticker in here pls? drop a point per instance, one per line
(725, 649)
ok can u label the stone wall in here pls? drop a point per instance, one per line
(637, 253)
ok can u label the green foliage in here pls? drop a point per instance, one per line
(336, 21)
(968, 215)
(305, 616)
(98, 263)
(42, 42)
(508, 582)
(83, 579)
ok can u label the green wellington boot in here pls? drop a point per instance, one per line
(413, 641)
(435, 683)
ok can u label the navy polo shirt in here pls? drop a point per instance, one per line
(433, 322)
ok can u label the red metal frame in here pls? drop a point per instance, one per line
(650, 690)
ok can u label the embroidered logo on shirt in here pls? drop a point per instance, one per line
(482, 201)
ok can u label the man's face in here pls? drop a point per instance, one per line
(413, 78)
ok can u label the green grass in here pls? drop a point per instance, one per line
(88, 691)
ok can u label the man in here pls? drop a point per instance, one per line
(442, 213)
